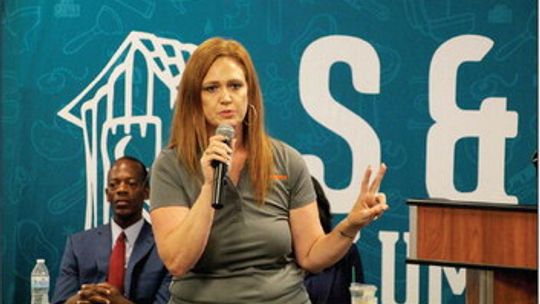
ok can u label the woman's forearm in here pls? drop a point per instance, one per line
(183, 244)
(330, 248)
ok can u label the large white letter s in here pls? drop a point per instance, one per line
(316, 98)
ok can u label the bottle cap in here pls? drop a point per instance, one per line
(40, 260)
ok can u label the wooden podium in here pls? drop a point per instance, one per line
(497, 243)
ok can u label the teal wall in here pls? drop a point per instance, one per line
(348, 82)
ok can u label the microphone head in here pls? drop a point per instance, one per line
(225, 130)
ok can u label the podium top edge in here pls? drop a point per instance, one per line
(444, 202)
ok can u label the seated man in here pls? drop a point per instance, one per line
(332, 284)
(119, 262)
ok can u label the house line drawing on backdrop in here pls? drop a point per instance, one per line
(114, 115)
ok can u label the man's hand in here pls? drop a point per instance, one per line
(102, 293)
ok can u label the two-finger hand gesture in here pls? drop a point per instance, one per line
(370, 203)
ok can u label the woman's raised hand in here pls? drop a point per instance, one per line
(370, 203)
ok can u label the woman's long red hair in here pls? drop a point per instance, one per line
(189, 134)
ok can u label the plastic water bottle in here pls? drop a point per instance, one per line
(40, 283)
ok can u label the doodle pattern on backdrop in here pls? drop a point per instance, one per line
(427, 87)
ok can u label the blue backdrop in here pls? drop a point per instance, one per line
(444, 92)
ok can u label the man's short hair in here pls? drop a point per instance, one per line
(144, 172)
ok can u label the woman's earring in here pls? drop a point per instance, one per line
(251, 112)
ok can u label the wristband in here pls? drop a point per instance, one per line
(343, 234)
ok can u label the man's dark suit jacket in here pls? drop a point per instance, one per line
(332, 284)
(86, 260)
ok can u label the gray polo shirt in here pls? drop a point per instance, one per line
(248, 258)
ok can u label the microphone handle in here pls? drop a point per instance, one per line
(219, 174)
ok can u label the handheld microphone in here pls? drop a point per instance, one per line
(220, 169)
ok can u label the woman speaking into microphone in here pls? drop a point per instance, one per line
(255, 248)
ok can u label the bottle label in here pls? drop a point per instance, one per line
(40, 282)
